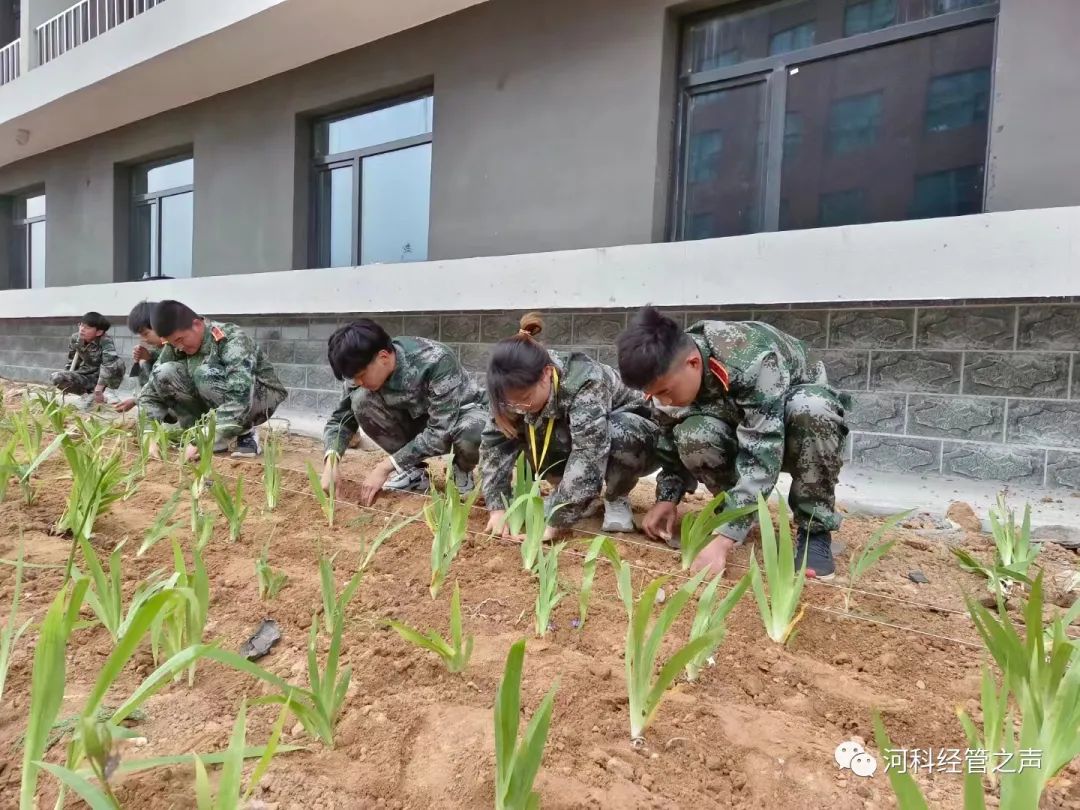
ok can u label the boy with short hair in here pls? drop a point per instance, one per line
(146, 352)
(741, 401)
(207, 366)
(410, 396)
(94, 364)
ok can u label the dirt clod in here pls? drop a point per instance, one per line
(961, 513)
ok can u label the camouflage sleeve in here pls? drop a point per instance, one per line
(761, 439)
(238, 357)
(674, 480)
(151, 402)
(444, 383)
(498, 455)
(583, 476)
(73, 346)
(111, 372)
(342, 424)
(146, 366)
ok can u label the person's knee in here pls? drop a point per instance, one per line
(814, 413)
(704, 443)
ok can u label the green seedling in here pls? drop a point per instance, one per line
(710, 620)
(22, 472)
(334, 603)
(456, 652)
(548, 595)
(447, 516)
(161, 439)
(1014, 552)
(12, 631)
(161, 527)
(183, 623)
(95, 486)
(516, 765)
(599, 546)
(699, 529)
(327, 498)
(780, 608)
(201, 436)
(531, 507)
(204, 529)
(231, 793)
(105, 597)
(270, 581)
(272, 469)
(525, 485)
(369, 549)
(994, 705)
(231, 505)
(874, 550)
(643, 646)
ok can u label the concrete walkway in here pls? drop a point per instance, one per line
(1055, 513)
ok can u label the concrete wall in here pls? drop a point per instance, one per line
(508, 175)
(1033, 156)
(988, 391)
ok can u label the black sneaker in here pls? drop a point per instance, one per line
(818, 551)
(247, 446)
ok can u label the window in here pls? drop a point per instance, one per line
(854, 123)
(28, 260)
(163, 218)
(831, 96)
(373, 185)
(958, 100)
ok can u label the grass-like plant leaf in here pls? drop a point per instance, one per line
(643, 642)
(447, 516)
(548, 594)
(270, 581)
(10, 633)
(95, 486)
(710, 619)
(334, 603)
(183, 623)
(780, 609)
(525, 485)
(599, 546)
(698, 529)
(876, 548)
(994, 705)
(106, 594)
(231, 505)
(161, 527)
(456, 652)
(201, 436)
(516, 765)
(272, 468)
(327, 499)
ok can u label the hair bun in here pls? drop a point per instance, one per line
(532, 324)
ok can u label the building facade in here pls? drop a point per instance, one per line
(893, 181)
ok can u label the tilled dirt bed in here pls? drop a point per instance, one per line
(758, 730)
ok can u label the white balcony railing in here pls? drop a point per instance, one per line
(9, 62)
(84, 21)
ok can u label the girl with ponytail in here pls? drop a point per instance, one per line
(577, 424)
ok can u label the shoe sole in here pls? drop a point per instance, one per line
(243, 454)
(607, 527)
(826, 578)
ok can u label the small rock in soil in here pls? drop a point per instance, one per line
(888, 660)
(918, 577)
(402, 664)
(620, 767)
(843, 658)
(646, 781)
(920, 684)
(961, 513)
(600, 670)
(752, 685)
(919, 543)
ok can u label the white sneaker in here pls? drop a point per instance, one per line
(618, 517)
(465, 481)
(85, 402)
(111, 397)
(414, 480)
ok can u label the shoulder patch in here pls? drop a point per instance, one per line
(717, 369)
(217, 334)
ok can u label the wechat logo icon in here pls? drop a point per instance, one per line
(851, 755)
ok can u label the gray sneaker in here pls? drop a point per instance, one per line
(465, 480)
(618, 517)
(247, 446)
(414, 480)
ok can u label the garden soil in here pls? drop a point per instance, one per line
(757, 730)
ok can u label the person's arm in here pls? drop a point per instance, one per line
(444, 384)
(152, 404)
(112, 367)
(590, 440)
(760, 437)
(235, 386)
(146, 366)
(342, 424)
(498, 455)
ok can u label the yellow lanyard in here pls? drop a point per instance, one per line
(538, 462)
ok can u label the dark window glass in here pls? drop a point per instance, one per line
(728, 199)
(793, 134)
(958, 100)
(28, 242)
(842, 208)
(163, 219)
(705, 151)
(854, 123)
(949, 193)
(373, 185)
(714, 41)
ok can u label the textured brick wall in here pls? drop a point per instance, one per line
(982, 390)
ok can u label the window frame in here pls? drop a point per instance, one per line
(23, 227)
(354, 159)
(773, 71)
(155, 198)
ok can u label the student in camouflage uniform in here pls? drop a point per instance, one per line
(412, 398)
(210, 366)
(576, 423)
(94, 364)
(146, 351)
(742, 403)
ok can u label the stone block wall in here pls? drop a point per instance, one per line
(983, 390)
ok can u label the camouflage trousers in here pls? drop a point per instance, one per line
(633, 452)
(392, 429)
(814, 433)
(189, 400)
(83, 382)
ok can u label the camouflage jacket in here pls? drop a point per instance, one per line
(96, 358)
(762, 365)
(144, 367)
(229, 364)
(428, 381)
(588, 393)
